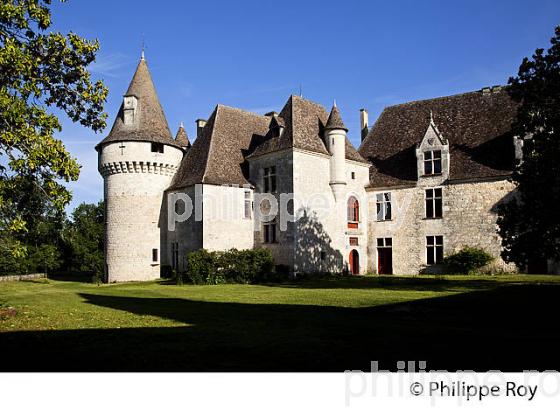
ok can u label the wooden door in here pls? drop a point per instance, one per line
(384, 261)
(354, 262)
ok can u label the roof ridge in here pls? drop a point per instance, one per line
(229, 107)
(318, 104)
(502, 88)
(210, 143)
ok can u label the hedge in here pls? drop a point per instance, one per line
(233, 266)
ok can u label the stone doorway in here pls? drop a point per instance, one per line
(354, 262)
(385, 256)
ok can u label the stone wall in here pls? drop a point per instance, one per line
(469, 219)
(134, 182)
(283, 250)
(224, 223)
(15, 278)
(322, 240)
(188, 234)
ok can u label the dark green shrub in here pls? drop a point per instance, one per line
(215, 278)
(166, 272)
(467, 261)
(233, 266)
(201, 264)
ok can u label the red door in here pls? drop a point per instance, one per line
(354, 262)
(385, 261)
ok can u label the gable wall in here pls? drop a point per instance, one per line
(283, 251)
(224, 224)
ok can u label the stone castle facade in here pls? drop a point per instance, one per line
(426, 181)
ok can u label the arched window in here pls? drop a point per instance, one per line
(353, 209)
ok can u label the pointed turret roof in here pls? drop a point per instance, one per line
(335, 121)
(150, 123)
(182, 138)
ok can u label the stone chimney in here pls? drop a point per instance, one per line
(200, 123)
(364, 123)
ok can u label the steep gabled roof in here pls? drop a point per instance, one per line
(150, 124)
(476, 124)
(304, 122)
(218, 154)
(182, 138)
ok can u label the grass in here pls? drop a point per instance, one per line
(475, 323)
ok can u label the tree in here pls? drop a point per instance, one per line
(530, 223)
(42, 235)
(85, 235)
(40, 72)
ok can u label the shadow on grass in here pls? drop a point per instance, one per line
(507, 328)
(437, 284)
(82, 277)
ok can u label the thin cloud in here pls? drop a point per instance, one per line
(109, 65)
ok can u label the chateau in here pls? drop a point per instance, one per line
(426, 181)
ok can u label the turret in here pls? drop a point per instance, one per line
(335, 137)
(137, 161)
(182, 139)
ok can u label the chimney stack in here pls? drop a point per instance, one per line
(364, 123)
(200, 123)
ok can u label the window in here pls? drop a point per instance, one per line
(248, 205)
(353, 212)
(432, 162)
(157, 147)
(154, 255)
(384, 242)
(354, 241)
(383, 206)
(323, 255)
(434, 203)
(270, 179)
(434, 249)
(175, 255)
(353, 174)
(269, 229)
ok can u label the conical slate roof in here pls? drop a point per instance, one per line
(150, 123)
(182, 138)
(335, 121)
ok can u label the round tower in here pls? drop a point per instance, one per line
(137, 160)
(335, 137)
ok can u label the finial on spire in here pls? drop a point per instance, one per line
(334, 122)
(334, 102)
(143, 48)
(300, 91)
(181, 125)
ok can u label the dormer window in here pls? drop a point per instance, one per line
(432, 155)
(129, 109)
(432, 162)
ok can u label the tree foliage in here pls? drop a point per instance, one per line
(84, 236)
(41, 72)
(530, 223)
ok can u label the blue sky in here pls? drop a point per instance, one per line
(254, 54)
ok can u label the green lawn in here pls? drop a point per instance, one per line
(480, 323)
